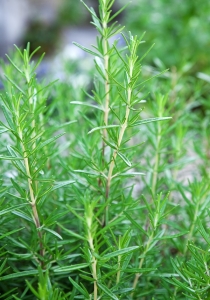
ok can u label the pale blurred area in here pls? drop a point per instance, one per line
(17, 15)
(50, 24)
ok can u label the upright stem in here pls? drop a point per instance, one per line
(136, 279)
(119, 264)
(192, 227)
(107, 90)
(157, 159)
(90, 239)
(106, 68)
(147, 248)
(31, 100)
(114, 156)
(94, 274)
(26, 160)
(106, 83)
(32, 194)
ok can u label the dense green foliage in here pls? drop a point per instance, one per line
(179, 30)
(104, 192)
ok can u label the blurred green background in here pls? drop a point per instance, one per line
(180, 29)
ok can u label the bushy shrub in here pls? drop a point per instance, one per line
(105, 193)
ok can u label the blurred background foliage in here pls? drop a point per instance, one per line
(179, 29)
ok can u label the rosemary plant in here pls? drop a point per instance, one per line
(30, 151)
(99, 211)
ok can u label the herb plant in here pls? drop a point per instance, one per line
(92, 205)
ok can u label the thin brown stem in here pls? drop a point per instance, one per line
(137, 276)
(107, 99)
(114, 156)
(32, 195)
(147, 247)
(94, 260)
(106, 83)
(107, 91)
